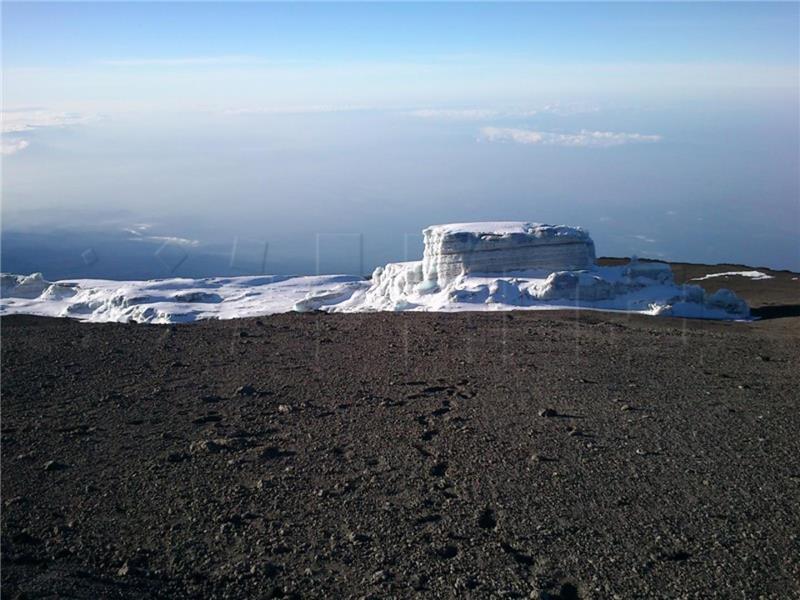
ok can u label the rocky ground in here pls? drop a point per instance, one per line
(525, 454)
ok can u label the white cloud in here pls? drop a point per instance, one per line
(184, 61)
(16, 121)
(137, 233)
(8, 147)
(466, 114)
(469, 114)
(582, 139)
(644, 238)
(296, 110)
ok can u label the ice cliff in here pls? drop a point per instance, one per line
(465, 267)
(464, 248)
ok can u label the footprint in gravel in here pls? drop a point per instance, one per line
(273, 452)
(518, 556)
(487, 520)
(567, 591)
(428, 519)
(203, 419)
(427, 436)
(439, 469)
(447, 552)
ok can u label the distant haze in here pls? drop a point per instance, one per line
(149, 140)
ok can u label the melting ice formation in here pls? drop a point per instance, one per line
(465, 267)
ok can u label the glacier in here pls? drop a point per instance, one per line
(485, 266)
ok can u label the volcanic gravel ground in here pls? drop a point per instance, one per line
(525, 454)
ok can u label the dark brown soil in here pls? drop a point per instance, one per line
(389, 455)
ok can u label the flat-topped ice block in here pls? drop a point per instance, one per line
(501, 247)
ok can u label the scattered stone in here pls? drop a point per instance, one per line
(574, 431)
(626, 407)
(245, 390)
(548, 412)
(284, 408)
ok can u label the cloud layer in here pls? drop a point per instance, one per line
(17, 122)
(469, 114)
(582, 139)
(9, 147)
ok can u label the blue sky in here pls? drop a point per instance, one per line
(72, 34)
(667, 129)
(207, 53)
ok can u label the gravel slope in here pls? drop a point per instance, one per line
(545, 455)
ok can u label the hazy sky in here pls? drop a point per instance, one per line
(144, 139)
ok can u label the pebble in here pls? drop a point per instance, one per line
(246, 390)
(548, 412)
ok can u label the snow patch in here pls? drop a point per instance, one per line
(755, 275)
(465, 267)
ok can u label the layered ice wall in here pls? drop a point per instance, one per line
(500, 247)
(515, 265)
(465, 267)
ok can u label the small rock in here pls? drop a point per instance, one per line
(284, 408)
(548, 412)
(626, 407)
(246, 390)
(574, 431)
